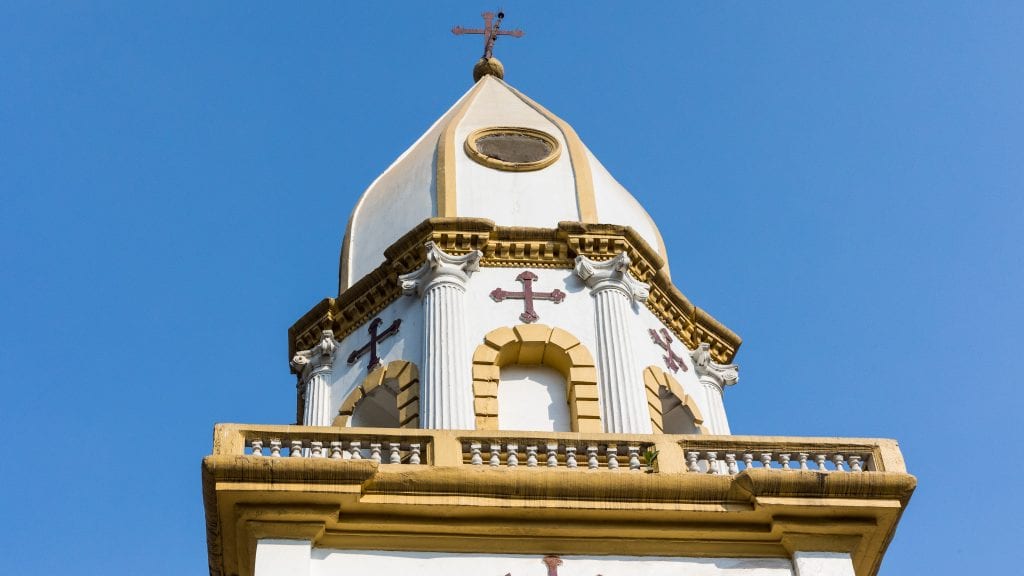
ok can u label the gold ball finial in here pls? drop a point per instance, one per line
(485, 66)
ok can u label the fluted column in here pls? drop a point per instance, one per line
(446, 385)
(622, 393)
(314, 367)
(714, 377)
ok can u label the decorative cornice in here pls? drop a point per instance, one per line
(512, 246)
(440, 268)
(721, 375)
(611, 275)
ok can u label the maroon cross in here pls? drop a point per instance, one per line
(552, 562)
(673, 361)
(527, 296)
(490, 31)
(371, 346)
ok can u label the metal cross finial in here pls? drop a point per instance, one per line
(490, 31)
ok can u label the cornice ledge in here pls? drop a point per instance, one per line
(229, 468)
(757, 482)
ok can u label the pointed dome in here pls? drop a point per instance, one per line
(495, 154)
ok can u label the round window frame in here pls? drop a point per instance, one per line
(491, 162)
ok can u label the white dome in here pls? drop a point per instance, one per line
(437, 176)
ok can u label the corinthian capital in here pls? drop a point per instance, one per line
(721, 375)
(611, 274)
(319, 356)
(440, 268)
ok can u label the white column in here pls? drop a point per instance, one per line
(446, 384)
(282, 557)
(714, 377)
(823, 564)
(314, 366)
(621, 389)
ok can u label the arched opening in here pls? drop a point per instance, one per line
(676, 417)
(672, 410)
(533, 398)
(379, 408)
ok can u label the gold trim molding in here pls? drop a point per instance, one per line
(536, 344)
(654, 379)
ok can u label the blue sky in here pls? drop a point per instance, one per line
(840, 183)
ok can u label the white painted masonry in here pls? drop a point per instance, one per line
(823, 564)
(334, 562)
(446, 384)
(283, 558)
(532, 398)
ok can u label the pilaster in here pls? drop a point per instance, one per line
(446, 393)
(314, 367)
(622, 393)
(714, 377)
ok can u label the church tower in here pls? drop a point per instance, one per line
(509, 382)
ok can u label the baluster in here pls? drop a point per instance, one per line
(336, 450)
(296, 449)
(275, 448)
(552, 455)
(691, 460)
(748, 460)
(634, 457)
(512, 460)
(570, 456)
(394, 453)
(784, 459)
(730, 463)
(592, 457)
(495, 455)
(820, 461)
(837, 459)
(414, 453)
(803, 460)
(317, 449)
(475, 458)
(713, 463)
(531, 456)
(257, 447)
(354, 452)
(375, 451)
(855, 463)
(766, 460)
(612, 452)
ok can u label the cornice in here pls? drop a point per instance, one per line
(513, 246)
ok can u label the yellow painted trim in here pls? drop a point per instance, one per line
(406, 376)
(483, 159)
(654, 379)
(533, 344)
(444, 180)
(577, 155)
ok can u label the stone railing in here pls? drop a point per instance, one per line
(720, 455)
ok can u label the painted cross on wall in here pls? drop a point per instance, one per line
(371, 346)
(664, 340)
(527, 295)
(552, 562)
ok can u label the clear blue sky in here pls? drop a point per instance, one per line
(841, 183)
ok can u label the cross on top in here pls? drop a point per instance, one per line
(490, 31)
(527, 295)
(371, 346)
(672, 360)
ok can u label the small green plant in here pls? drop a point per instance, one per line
(650, 457)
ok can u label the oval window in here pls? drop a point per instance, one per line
(513, 149)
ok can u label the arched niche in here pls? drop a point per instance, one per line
(531, 345)
(672, 410)
(389, 394)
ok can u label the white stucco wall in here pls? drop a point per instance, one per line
(576, 314)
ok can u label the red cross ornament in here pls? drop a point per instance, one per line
(371, 346)
(672, 360)
(527, 295)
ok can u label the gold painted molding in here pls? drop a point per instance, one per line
(533, 344)
(444, 180)
(407, 378)
(654, 379)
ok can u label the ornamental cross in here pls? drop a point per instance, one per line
(490, 31)
(552, 562)
(673, 361)
(371, 346)
(527, 295)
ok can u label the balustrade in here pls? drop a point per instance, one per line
(392, 451)
(737, 460)
(542, 453)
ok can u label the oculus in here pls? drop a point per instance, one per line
(512, 149)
